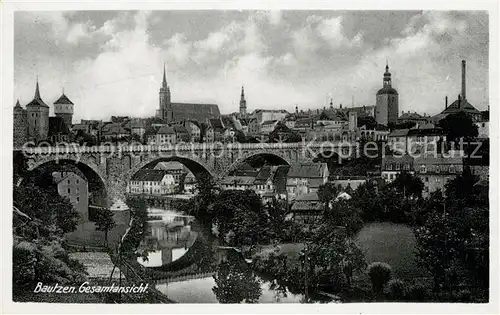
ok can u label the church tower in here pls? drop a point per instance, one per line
(387, 106)
(165, 112)
(38, 117)
(243, 104)
(63, 107)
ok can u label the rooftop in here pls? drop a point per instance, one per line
(150, 175)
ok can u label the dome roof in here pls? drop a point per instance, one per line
(387, 90)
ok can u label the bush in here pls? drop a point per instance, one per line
(418, 292)
(396, 289)
(380, 274)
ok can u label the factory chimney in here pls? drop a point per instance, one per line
(463, 80)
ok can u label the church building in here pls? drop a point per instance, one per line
(176, 112)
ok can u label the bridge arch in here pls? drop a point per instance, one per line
(96, 182)
(198, 168)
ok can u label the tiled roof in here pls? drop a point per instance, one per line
(149, 175)
(311, 170)
(216, 124)
(315, 182)
(200, 112)
(37, 102)
(165, 130)
(180, 129)
(63, 100)
(263, 175)
(114, 128)
(460, 105)
(158, 121)
(57, 126)
(306, 202)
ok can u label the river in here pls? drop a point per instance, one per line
(171, 235)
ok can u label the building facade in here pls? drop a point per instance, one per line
(152, 182)
(38, 118)
(64, 108)
(75, 188)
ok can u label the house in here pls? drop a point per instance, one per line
(190, 184)
(114, 131)
(182, 134)
(414, 117)
(74, 187)
(266, 127)
(305, 178)
(253, 126)
(424, 140)
(176, 169)
(436, 171)
(194, 130)
(263, 182)
(269, 114)
(162, 136)
(397, 140)
(137, 127)
(279, 179)
(238, 182)
(217, 129)
(307, 210)
(392, 165)
(152, 182)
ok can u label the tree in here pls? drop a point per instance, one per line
(367, 121)
(410, 185)
(453, 242)
(380, 274)
(458, 126)
(236, 283)
(20, 166)
(396, 289)
(104, 222)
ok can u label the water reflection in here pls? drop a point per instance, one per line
(169, 237)
(191, 267)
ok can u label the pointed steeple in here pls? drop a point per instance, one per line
(37, 90)
(242, 93)
(386, 65)
(18, 104)
(164, 84)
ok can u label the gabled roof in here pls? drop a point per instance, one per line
(165, 130)
(460, 105)
(37, 102)
(114, 128)
(269, 122)
(158, 121)
(279, 178)
(263, 175)
(216, 124)
(57, 126)
(150, 175)
(180, 129)
(63, 100)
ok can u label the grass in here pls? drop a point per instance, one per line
(393, 244)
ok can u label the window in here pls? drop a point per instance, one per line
(426, 178)
(398, 167)
(77, 199)
(69, 182)
(69, 190)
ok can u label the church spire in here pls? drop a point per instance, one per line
(242, 93)
(37, 90)
(387, 75)
(164, 84)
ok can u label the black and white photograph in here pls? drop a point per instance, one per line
(321, 157)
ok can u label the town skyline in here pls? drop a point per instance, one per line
(111, 63)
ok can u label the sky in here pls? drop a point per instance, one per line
(111, 62)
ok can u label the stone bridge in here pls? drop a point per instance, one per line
(109, 168)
